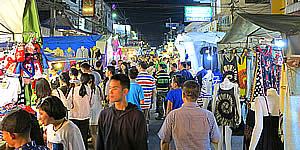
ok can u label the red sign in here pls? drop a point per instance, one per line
(88, 8)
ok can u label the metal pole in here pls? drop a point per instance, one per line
(52, 18)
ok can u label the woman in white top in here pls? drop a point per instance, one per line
(96, 108)
(61, 133)
(79, 104)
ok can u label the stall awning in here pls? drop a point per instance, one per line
(258, 24)
(11, 15)
(74, 42)
(288, 24)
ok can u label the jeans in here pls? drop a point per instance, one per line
(161, 98)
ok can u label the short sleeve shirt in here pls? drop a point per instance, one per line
(175, 96)
(147, 82)
(190, 127)
(135, 94)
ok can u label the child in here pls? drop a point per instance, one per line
(174, 97)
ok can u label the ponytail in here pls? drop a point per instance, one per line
(82, 90)
(85, 78)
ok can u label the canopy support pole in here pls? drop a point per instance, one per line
(250, 35)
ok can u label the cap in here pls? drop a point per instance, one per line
(17, 121)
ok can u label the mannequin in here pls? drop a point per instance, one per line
(233, 89)
(266, 110)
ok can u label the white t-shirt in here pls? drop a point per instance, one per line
(68, 137)
(80, 107)
(9, 91)
(96, 106)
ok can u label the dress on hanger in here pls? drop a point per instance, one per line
(242, 74)
(258, 89)
(226, 112)
(269, 138)
(230, 69)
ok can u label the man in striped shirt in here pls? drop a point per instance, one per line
(162, 84)
(147, 82)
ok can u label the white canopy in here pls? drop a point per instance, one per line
(11, 18)
(190, 43)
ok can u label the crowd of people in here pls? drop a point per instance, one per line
(111, 107)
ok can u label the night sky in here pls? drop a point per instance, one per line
(148, 17)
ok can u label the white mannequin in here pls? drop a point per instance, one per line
(227, 85)
(261, 110)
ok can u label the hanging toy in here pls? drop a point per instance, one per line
(27, 67)
(38, 69)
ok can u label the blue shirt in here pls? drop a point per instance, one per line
(186, 74)
(175, 96)
(135, 94)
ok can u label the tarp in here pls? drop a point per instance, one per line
(61, 22)
(74, 42)
(288, 24)
(11, 15)
(261, 24)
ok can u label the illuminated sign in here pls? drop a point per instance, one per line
(197, 14)
(203, 1)
(88, 8)
(122, 29)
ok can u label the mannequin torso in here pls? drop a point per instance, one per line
(266, 116)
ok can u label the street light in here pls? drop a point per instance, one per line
(114, 15)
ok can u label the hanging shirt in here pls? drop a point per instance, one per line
(258, 89)
(82, 53)
(9, 90)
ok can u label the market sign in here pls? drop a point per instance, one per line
(197, 14)
(88, 8)
(122, 29)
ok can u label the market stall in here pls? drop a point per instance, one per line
(257, 53)
(20, 51)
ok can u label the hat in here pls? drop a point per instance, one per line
(17, 121)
